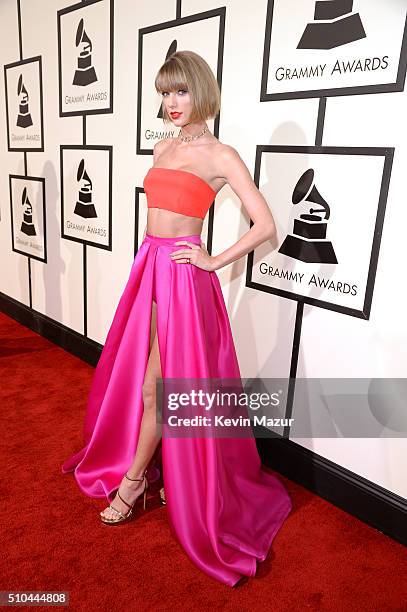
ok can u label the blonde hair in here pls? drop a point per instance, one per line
(188, 70)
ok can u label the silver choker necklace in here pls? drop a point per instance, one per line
(189, 138)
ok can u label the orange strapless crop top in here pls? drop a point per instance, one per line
(178, 190)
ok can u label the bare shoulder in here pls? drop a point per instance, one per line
(224, 154)
(220, 153)
(228, 153)
(228, 161)
(160, 147)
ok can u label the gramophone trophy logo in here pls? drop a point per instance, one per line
(328, 204)
(334, 24)
(27, 225)
(308, 242)
(85, 58)
(24, 119)
(85, 72)
(333, 47)
(27, 207)
(24, 108)
(86, 194)
(84, 206)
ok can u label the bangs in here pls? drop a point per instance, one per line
(170, 78)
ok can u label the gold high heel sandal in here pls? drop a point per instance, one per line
(162, 497)
(126, 517)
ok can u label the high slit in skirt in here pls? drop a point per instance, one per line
(222, 506)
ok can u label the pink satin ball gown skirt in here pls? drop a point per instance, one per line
(222, 506)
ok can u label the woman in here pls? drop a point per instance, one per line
(172, 323)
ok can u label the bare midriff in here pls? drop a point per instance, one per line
(169, 224)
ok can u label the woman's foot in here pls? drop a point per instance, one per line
(162, 497)
(130, 491)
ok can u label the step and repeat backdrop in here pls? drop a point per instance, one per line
(79, 94)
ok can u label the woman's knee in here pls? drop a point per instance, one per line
(149, 393)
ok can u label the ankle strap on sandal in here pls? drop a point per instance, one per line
(142, 478)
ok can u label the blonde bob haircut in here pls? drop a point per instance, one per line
(188, 70)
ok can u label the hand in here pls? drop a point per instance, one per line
(194, 254)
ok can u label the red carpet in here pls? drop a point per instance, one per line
(52, 539)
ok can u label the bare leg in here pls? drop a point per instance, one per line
(148, 439)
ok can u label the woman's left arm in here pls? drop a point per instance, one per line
(235, 171)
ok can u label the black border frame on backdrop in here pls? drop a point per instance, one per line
(64, 11)
(37, 58)
(335, 91)
(109, 150)
(387, 154)
(138, 191)
(179, 21)
(25, 178)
